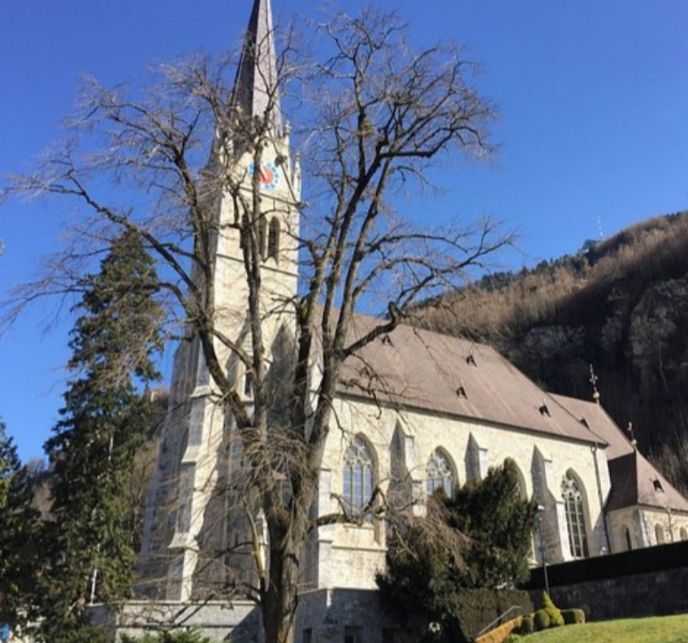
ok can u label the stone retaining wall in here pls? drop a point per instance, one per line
(644, 582)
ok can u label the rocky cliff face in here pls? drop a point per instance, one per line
(620, 305)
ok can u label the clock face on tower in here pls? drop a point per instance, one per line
(269, 175)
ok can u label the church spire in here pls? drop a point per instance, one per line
(256, 77)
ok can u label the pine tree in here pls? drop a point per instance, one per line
(19, 537)
(105, 420)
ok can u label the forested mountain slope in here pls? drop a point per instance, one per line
(620, 305)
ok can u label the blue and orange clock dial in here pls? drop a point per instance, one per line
(269, 175)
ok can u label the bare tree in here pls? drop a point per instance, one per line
(374, 116)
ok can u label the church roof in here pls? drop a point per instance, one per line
(256, 78)
(594, 417)
(635, 481)
(422, 369)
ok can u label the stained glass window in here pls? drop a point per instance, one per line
(358, 476)
(439, 474)
(575, 516)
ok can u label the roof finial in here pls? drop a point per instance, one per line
(256, 86)
(631, 437)
(593, 380)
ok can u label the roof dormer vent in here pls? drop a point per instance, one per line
(461, 392)
(470, 360)
(387, 340)
(544, 410)
(656, 483)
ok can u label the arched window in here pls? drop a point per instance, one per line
(358, 476)
(572, 494)
(659, 534)
(683, 533)
(274, 239)
(439, 474)
(627, 538)
(522, 491)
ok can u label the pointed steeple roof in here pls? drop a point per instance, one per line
(257, 74)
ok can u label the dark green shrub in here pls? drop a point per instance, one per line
(541, 620)
(573, 616)
(555, 617)
(527, 625)
(174, 636)
(474, 609)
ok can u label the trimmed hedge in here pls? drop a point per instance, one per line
(555, 617)
(475, 609)
(573, 616)
(527, 625)
(173, 636)
(541, 619)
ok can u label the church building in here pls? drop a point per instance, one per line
(439, 411)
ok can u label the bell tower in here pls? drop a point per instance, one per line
(256, 97)
(186, 518)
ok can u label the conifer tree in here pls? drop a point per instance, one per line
(499, 522)
(105, 420)
(19, 537)
(478, 538)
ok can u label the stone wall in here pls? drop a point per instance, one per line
(646, 526)
(647, 582)
(238, 622)
(326, 616)
(402, 441)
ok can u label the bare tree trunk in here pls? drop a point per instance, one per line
(379, 116)
(280, 598)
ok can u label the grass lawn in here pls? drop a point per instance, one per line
(663, 629)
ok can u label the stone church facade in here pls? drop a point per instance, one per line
(444, 410)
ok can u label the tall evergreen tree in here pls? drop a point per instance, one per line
(19, 537)
(105, 420)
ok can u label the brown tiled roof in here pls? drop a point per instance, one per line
(598, 421)
(635, 481)
(439, 373)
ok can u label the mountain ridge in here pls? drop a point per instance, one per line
(620, 305)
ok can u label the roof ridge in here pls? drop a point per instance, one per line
(554, 396)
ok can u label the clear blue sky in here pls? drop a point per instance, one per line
(594, 128)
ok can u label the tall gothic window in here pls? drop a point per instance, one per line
(659, 534)
(439, 474)
(522, 491)
(575, 516)
(274, 239)
(358, 476)
(627, 536)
